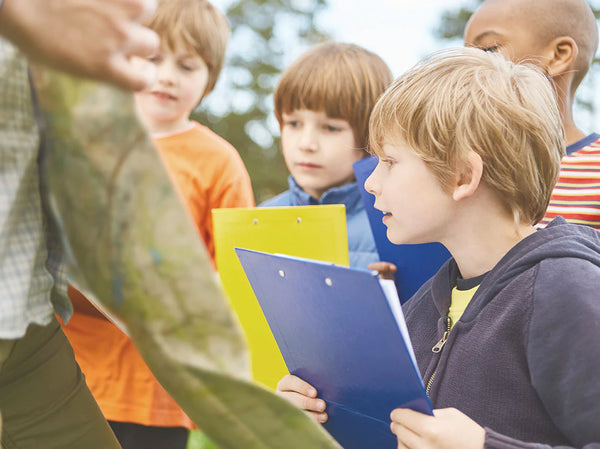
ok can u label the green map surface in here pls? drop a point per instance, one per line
(132, 247)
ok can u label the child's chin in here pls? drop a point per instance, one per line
(395, 239)
(401, 239)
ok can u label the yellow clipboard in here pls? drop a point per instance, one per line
(315, 232)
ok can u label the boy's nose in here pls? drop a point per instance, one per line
(165, 76)
(308, 141)
(165, 80)
(371, 184)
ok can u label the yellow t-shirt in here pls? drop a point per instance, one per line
(459, 302)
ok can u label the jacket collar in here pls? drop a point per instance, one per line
(348, 195)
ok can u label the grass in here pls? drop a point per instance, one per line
(198, 440)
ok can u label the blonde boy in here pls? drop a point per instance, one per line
(322, 103)
(208, 173)
(470, 147)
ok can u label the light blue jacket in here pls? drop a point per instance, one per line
(361, 245)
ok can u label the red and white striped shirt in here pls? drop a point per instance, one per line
(576, 196)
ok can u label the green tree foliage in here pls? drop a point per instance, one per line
(264, 33)
(452, 24)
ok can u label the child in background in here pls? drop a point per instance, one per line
(322, 103)
(469, 149)
(208, 173)
(562, 39)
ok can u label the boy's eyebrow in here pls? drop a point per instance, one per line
(483, 35)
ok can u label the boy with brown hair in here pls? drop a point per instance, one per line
(504, 334)
(562, 37)
(323, 101)
(208, 173)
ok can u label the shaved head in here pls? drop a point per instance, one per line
(543, 21)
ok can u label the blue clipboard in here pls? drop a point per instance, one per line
(416, 263)
(336, 330)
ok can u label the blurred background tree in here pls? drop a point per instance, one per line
(265, 33)
(452, 24)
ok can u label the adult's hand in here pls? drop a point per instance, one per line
(90, 38)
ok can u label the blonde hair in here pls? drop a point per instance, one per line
(459, 100)
(199, 27)
(343, 80)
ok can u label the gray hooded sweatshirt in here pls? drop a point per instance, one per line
(524, 359)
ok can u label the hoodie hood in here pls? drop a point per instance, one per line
(558, 240)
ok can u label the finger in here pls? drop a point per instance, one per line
(443, 412)
(130, 75)
(377, 266)
(295, 384)
(304, 402)
(410, 419)
(140, 41)
(386, 275)
(406, 437)
(136, 10)
(319, 417)
(148, 10)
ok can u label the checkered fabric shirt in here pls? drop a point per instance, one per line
(28, 292)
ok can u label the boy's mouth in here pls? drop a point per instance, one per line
(163, 95)
(308, 165)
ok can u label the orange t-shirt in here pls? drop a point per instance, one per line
(208, 173)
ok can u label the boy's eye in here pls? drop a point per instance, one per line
(387, 162)
(292, 123)
(332, 129)
(187, 67)
(155, 59)
(491, 48)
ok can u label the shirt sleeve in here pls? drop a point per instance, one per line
(563, 353)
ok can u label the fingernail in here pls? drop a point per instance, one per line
(149, 10)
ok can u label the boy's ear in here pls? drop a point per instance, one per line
(469, 180)
(564, 51)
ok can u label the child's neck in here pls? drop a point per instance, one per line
(162, 128)
(565, 100)
(167, 131)
(481, 236)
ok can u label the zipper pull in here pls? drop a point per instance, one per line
(440, 344)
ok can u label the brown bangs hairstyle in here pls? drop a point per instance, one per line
(197, 26)
(343, 80)
(462, 100)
